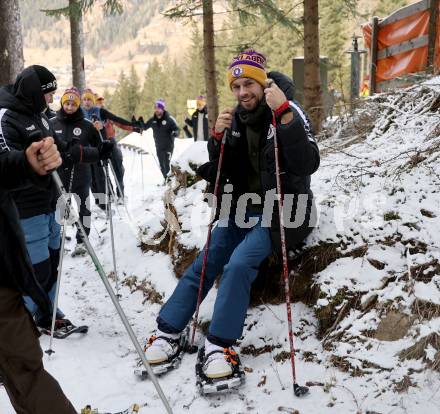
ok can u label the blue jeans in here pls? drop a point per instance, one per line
(42, 235)
(234, 252)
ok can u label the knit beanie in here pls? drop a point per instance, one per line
(88, 93)
(160, 103)
(248, 64)
(47, 79)
(71, 94)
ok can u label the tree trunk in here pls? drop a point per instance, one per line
(312, 78)
(77, 45)
(209, 53)
(11, 41)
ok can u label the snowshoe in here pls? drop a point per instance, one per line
(79, 250)
(89, 410)
(164, 362)
(209, 382)
(64, 328)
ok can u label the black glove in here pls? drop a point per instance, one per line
(105, 150)
(137, 129)
(175, 133)
(74, 155)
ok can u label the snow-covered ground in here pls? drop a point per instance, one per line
(355, 188)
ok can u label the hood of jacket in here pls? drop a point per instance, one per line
(25, 95)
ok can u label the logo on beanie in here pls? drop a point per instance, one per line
(237, 71)
(77, 132)
(51, 86)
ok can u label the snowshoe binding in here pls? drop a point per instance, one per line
(210, 381)
(64, 328)
(164, 355)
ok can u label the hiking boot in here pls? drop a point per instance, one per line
(162, 348)
(218, 362)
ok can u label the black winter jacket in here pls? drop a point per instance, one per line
(299, 158)
(165, 130)
(16, 270)
(73, 130)
(193, 123)
(21, 107)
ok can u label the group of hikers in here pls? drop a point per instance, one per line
(243, 146)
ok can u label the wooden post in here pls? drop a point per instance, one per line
(373, 53)
(432, 34)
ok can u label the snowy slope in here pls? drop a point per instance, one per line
(366, 195)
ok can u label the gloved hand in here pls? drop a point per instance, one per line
(105, 150)
(74, 154)
(175, 134)
(137, 129)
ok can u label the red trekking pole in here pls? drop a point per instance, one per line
(297, 389)
(192, 348)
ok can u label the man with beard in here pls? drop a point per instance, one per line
(84, 146)
(248, 234)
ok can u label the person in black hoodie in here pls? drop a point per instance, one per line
(250, 232)
(84, 146)
(21, 119)
(165, 129)
(199, 120)
(30, 388)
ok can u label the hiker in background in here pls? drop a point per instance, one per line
(99, 115)
(199, 120)
(84, 147)
(165, 129)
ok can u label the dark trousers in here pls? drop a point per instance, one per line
(118, 167)
(31, 389)
(164, 158)
(83, 191)
(98, 184)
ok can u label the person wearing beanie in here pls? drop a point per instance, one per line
(199, 120)
(23, 115)
(100, 116)
(117, 158)
(29, 241)
(247, 233)
(83, 147)
(165, 130)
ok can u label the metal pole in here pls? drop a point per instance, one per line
(298, 390)
(112, 237)
(373, 54)
(36, 136)
(355, 71)
(114, 299)
(50, 351)
(208, 240)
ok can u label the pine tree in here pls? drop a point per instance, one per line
(11, 43)
(386, 7)
(154, 87)
(133, 92)
(333, 36)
